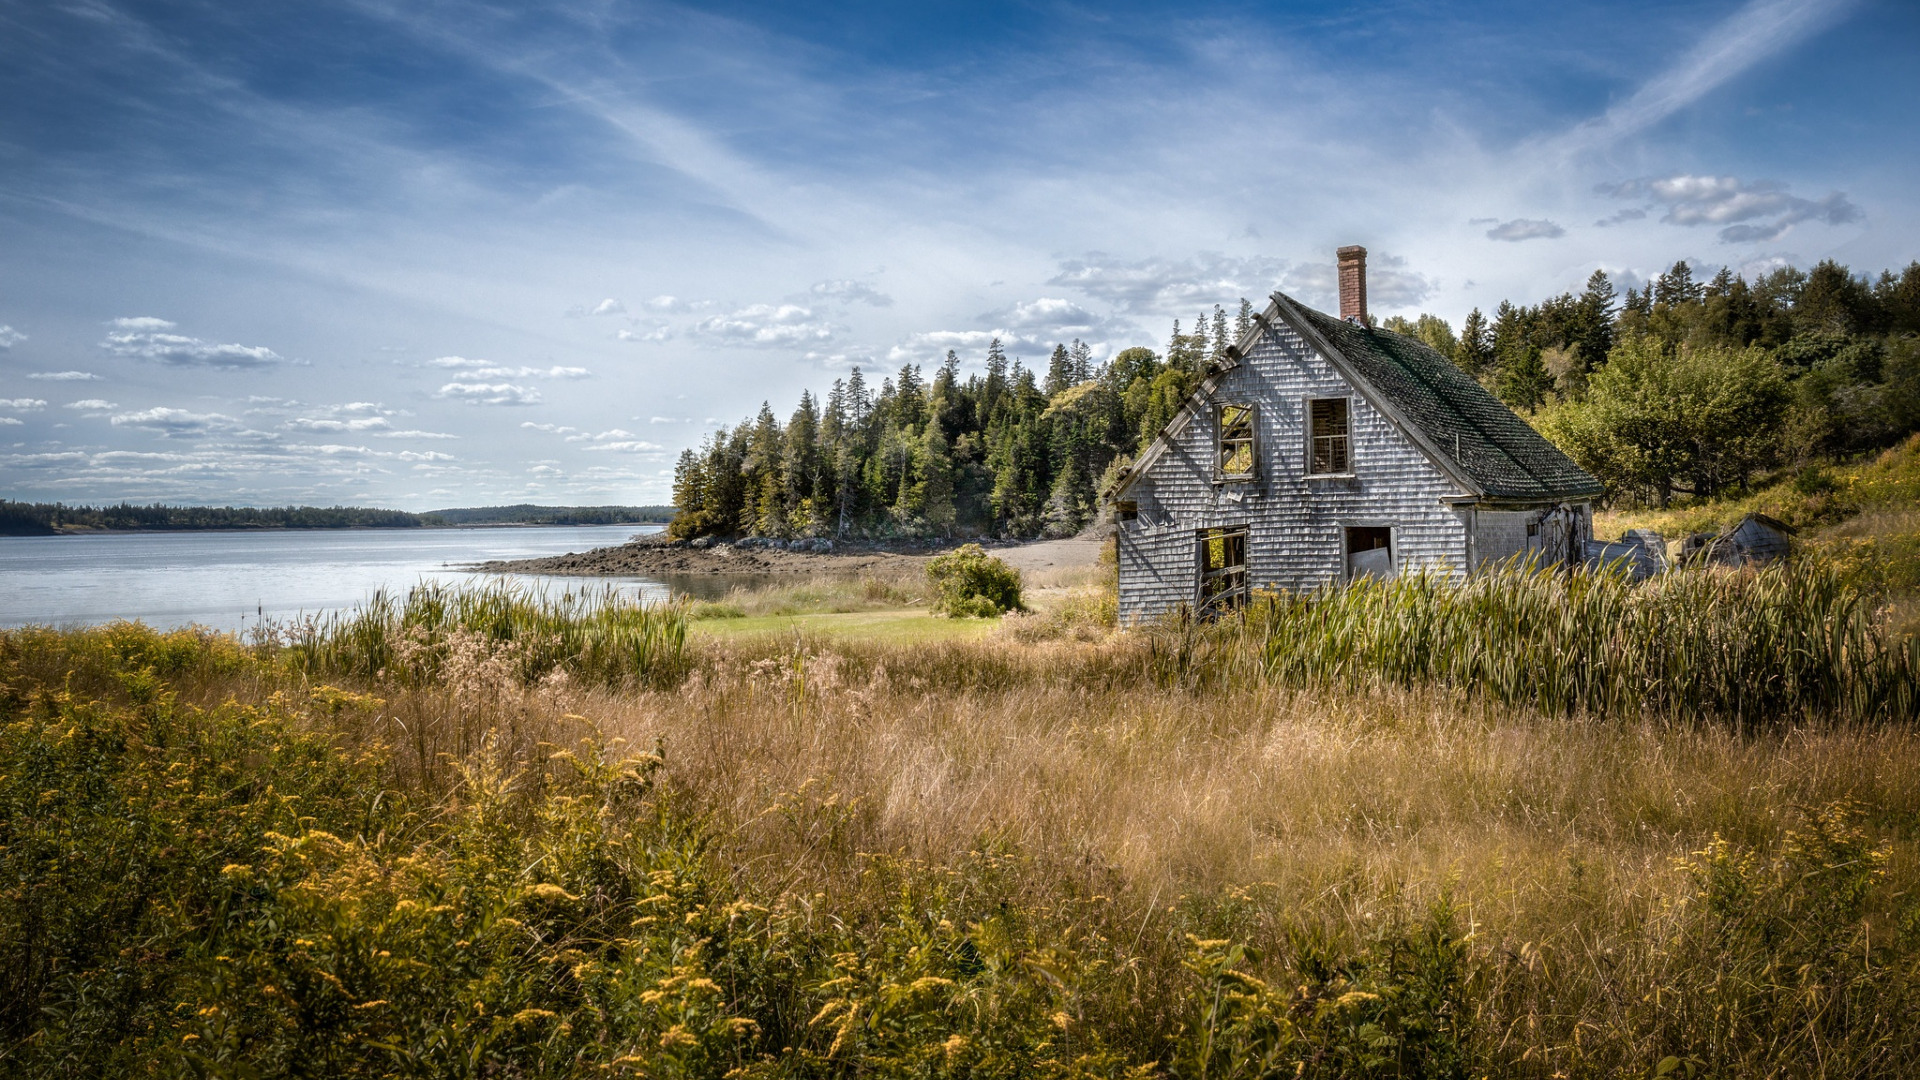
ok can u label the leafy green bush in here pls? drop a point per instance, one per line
(968, 583)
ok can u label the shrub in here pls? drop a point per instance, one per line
(969, 583)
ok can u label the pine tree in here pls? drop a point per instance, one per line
(1059, 371)
(1243, 323)
(1217, 353)
(1082, 356)
(1475, 353)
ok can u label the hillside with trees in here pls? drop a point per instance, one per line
(48, 519)
(1688, 387)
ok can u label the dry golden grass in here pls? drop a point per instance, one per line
(1131, 801)
(1173, 791)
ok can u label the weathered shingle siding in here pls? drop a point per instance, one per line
(1295, 539)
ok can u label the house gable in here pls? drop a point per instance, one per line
(1296, 522)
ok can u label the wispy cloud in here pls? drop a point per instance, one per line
(1748, 36)
(609, 306)
(766, 326)
(149, 338)
(476, 393)
(9, 337)
(848, 292)
(1170, 287)
(487, 369)
(92, 406)
(172, 422)
(22, 404)
(1747, 211)
(1526, 229)
(62, 376)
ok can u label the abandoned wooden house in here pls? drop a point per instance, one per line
(1321, 450)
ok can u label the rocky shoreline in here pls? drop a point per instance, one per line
(751, 555)
(655, 555)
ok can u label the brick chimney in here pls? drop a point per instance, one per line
(1353, 283)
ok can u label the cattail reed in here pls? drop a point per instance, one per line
(1771, 644)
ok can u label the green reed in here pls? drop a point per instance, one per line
(591, 634)
(1791, 639)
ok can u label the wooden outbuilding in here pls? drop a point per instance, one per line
(1322, 450)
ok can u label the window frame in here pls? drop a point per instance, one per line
(1223, 589)
(1220, 442)
(1313, 437)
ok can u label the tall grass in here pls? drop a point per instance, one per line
(591, 634)
(1791, 640)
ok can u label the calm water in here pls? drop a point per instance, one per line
(226, 579)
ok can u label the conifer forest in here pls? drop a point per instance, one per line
(1690, 386)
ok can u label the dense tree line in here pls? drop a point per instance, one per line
(43, 519)
(1695, 386)
(20, 518)
(1011, 451)
(529, 514)
(1687, 387)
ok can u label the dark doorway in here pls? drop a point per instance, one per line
(1369, 552)
(1223, 569)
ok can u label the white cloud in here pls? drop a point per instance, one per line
(669, 420)
(848, 292)
(1171, 287)
(416, 434)
(92, 405)
(475, 393)
(614, 439)
(425, 455)
(766, 326)
(171, 422)
(331, 424)
(9, 337)
(487, 369)
(676, 305)
(1524, 229)
(1748, 211)
(654, 332)
(62, 376)
(22, 403)
(354, 416)
(146, 337)
(8, 421)
(609, 306)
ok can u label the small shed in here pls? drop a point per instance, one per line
(1642, 552)
(1756, 538)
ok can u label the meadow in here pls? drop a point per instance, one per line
(504, 834)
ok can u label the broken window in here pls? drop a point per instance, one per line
(1235, 459)
(1329, 453)
(1223, 569)
(1126, 510)
(1369, 552)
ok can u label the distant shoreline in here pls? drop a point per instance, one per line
(59, 519)
(84, 531)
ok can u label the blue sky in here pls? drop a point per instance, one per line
(436, 254)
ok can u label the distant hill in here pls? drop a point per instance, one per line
(47, 519)
(528, 514)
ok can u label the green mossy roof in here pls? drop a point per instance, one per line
(1461, 421)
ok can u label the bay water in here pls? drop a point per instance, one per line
(231, 580)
